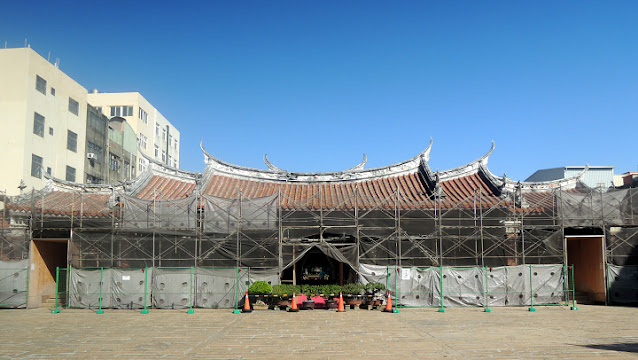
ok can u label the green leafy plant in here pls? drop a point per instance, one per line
(353, 289)
(260, 287)
(373, 287)
(285, 290)
(330, 289)
(310, 289)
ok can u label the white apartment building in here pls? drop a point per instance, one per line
(43, 117)
(158, 138)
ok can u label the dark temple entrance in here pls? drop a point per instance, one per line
(317, 268)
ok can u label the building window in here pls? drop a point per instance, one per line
(40, 84)
(36, 166)
(157, 129)
(164, 134)
(99, 109)
(90, 179)
(169, 162)
(49, 170)
(122, 110)
(97, 122)
(143, 141)
(70, 174)
(38, 124)
(71, 141)
(50, 131)
(156, 151)
(74, 106)
(53, 91)
(114, 163)
(175, 144)
(96, 150)
(142, 163)
(143, 116)
(163, 155)
(170, 140)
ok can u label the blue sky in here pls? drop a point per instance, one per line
(315, 84)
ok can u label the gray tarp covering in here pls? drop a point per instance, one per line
(170, 214)
(216, 288)
(623, 284)
(167, 288)
(595, 208)
(84, 288)
(13, 283)
(622, 245)
(466, 286)
(172, 288)
(226, 215)
(128, 287)
(122, 288)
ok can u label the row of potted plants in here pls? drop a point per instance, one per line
(285, 290)
(321, 295)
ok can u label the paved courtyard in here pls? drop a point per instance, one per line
(592, 332)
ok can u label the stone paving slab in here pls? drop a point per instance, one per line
(592, 332)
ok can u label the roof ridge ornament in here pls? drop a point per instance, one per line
(357, 172)
(279, 170)
(360, 166)
(273, 167)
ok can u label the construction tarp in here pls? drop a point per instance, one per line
(227, 215)
(173, 288)
(622, 245)
(169, 214)
(465, 286)
(622, 282)
(596, 208)
(14, 276)
(163, 287)
(88, 287)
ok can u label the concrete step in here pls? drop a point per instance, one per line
(49, 303)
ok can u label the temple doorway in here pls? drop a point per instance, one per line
(317, 268)
(46, 256)
(586, 253)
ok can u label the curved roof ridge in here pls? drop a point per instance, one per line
(467, 169)
(509, 185)
(277, 169)
(169, 169)
(53, 183)
(355, 173)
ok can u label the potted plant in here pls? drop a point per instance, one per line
(374, 294)
(282, 295)
(329, 293)
(353, 294)
(260, 291)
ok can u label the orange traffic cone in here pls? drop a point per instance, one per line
(388, 305)
(294, 304)
(247, 308)
(341, 308)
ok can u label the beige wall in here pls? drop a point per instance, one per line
(135, 99)
(19, 99)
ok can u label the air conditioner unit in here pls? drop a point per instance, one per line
(90, 156)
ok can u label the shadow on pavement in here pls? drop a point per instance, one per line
(626, 347)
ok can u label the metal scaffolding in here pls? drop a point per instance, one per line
(379, 229)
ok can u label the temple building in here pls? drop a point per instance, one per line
(465, 235)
